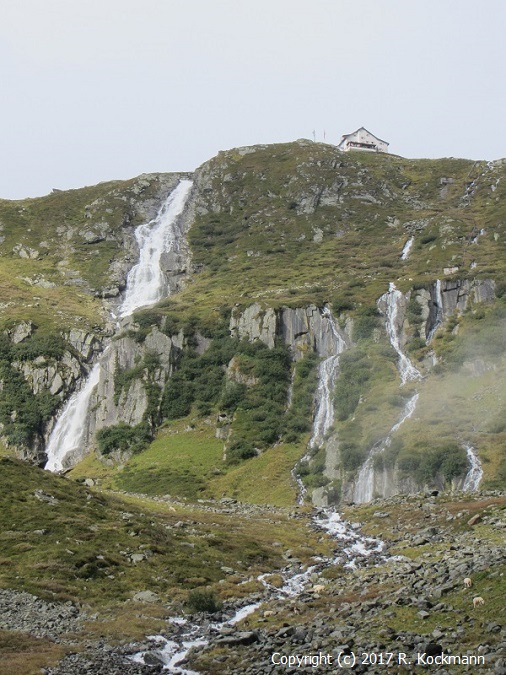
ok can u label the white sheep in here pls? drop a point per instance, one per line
(468, 582)
(318, 588)
(478, 601)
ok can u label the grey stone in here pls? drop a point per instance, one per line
(146, 596)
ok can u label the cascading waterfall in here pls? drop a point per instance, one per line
(355, 547)
(329, 369)
(324, 416)
(364, 488)
(407, 248)
(146, 280)
(475, 473)
(145, 285)
(439, 312)
(393, 300)
(71, 425)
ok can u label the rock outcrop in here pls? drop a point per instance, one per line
(303, 329)
(454, 296)
(113, 404)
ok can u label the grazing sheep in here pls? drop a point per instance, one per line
(318, 588)
(468, 582)
(478, 601)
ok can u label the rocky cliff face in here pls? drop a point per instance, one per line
(58, 375)
(453, 296)
(303, 329)
(440, 302)
(48, 379)
(113, 402)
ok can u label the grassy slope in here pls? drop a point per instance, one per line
(77, 547)
(186, 460)
(53, 230)
(261, 211)
(256, 241)
(300, 223)
(80, 522)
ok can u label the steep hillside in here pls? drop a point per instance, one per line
(278, 236)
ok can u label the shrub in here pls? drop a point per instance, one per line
(48, 345)
(341, 305)
(239, 450)
(355, 371)
(171, 325)
(178, 397)
(364, 325)
(123, 437)
(449, 460)
(352, 456)
(414, 311)
(500, 289)
(415, 344)
(22, 413)
(409, 462)
(146, 318)
(204, 601)
(305, 380)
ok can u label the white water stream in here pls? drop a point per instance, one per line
(354, 551)
(407, 248)
(439, 312)
(324, 415)
(364, 488)
(393, 299)
(475, 473)
(66, 436)
(354, 548)
(328, 372)
(145, 285)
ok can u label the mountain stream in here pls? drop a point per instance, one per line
(354, 549)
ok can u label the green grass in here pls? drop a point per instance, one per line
(186, 460)
(76, 543)
(179, 462)
(24, 653)
(53, 229)
(265, 479)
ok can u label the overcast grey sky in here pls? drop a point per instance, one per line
(95, 90)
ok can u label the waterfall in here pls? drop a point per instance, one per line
(475, 473)
(146, 280)
(324, 416)
(393, 301)
(364, 488)
(328, 371)
(145, 285)
(407, 248)
(71, 425)
(439, 312)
